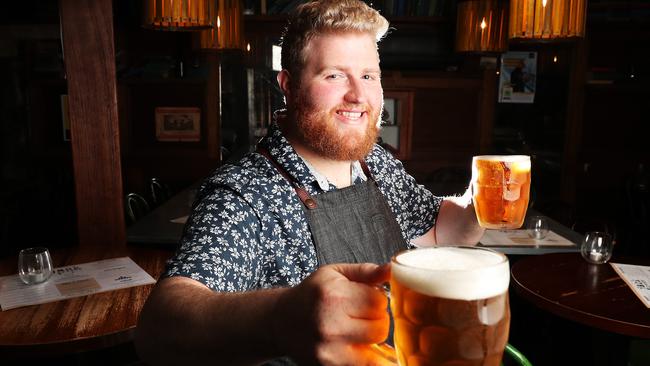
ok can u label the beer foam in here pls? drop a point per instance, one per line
(453, 273)
(518, 162)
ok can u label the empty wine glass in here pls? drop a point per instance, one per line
(538, 227)
(597, 247)
(34, 265)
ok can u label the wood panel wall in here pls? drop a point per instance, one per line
(452, 119)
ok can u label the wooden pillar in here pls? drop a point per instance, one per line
(574, 120)
(488, 97)
(213, 105)
(89, 56)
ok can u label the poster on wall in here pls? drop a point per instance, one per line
(517, 77)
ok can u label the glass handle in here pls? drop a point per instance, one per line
(384, 349)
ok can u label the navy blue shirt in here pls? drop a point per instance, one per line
(248, 230)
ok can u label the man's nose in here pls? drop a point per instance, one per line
(356, 92)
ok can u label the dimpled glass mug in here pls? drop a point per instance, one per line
(450, 306)
(501, 190)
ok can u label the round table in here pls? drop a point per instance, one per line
(83, 323)
(566, 285)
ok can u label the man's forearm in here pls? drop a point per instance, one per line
(184, 322)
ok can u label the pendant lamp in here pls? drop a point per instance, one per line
(481, 26)
(176, 15)
(547, 19)
(228, 32)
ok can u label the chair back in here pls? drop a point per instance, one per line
(135, 206)
(159, 191)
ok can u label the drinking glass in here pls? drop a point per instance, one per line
(597, 247)
(34, 265)
(501, 190)
(450, 306)
(538, 227)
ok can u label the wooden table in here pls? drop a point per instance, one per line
(594, 295)
(83, 323)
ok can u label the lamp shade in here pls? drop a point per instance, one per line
(481, 26)
(176, 15)
(547, 19)
(228, 30)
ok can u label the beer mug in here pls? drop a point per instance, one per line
(501, 188)
(450, 306)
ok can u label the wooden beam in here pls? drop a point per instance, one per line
(487, 106)
(89, 56)
(571, 160)
(213, 106)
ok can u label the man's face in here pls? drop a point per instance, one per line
(338, 101)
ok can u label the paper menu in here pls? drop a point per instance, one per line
(637, 277)
(73, 281)
(521, 238)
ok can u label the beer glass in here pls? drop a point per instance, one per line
(450, 306)
(501, 188)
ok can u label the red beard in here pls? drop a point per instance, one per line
(317, 130)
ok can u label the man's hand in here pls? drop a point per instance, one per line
(334, 316)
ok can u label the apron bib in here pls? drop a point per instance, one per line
(349, 225)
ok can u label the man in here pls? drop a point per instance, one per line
(281, 255)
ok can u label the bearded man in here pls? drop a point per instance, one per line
(280, 259)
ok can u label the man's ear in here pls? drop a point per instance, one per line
(284, 80)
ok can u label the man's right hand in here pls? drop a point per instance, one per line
(334, 316)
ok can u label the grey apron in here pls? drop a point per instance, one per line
(348, 225)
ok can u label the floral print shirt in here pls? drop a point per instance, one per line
(248, 230)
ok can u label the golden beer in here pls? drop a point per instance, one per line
(501, 189)
(450, 306)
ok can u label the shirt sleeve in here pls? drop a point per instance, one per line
(220, 244)
(415, 207)
(422, 207)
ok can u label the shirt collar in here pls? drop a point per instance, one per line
(356, 172)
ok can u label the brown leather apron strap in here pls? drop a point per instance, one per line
(306, 199)
(366, 170)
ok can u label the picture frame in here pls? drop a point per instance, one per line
(397, 118)
(178, 124)
(388, 116)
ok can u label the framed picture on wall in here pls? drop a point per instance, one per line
(388, 116)
(178, 124)
(396, 122)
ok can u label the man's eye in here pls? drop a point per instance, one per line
(334, 76)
